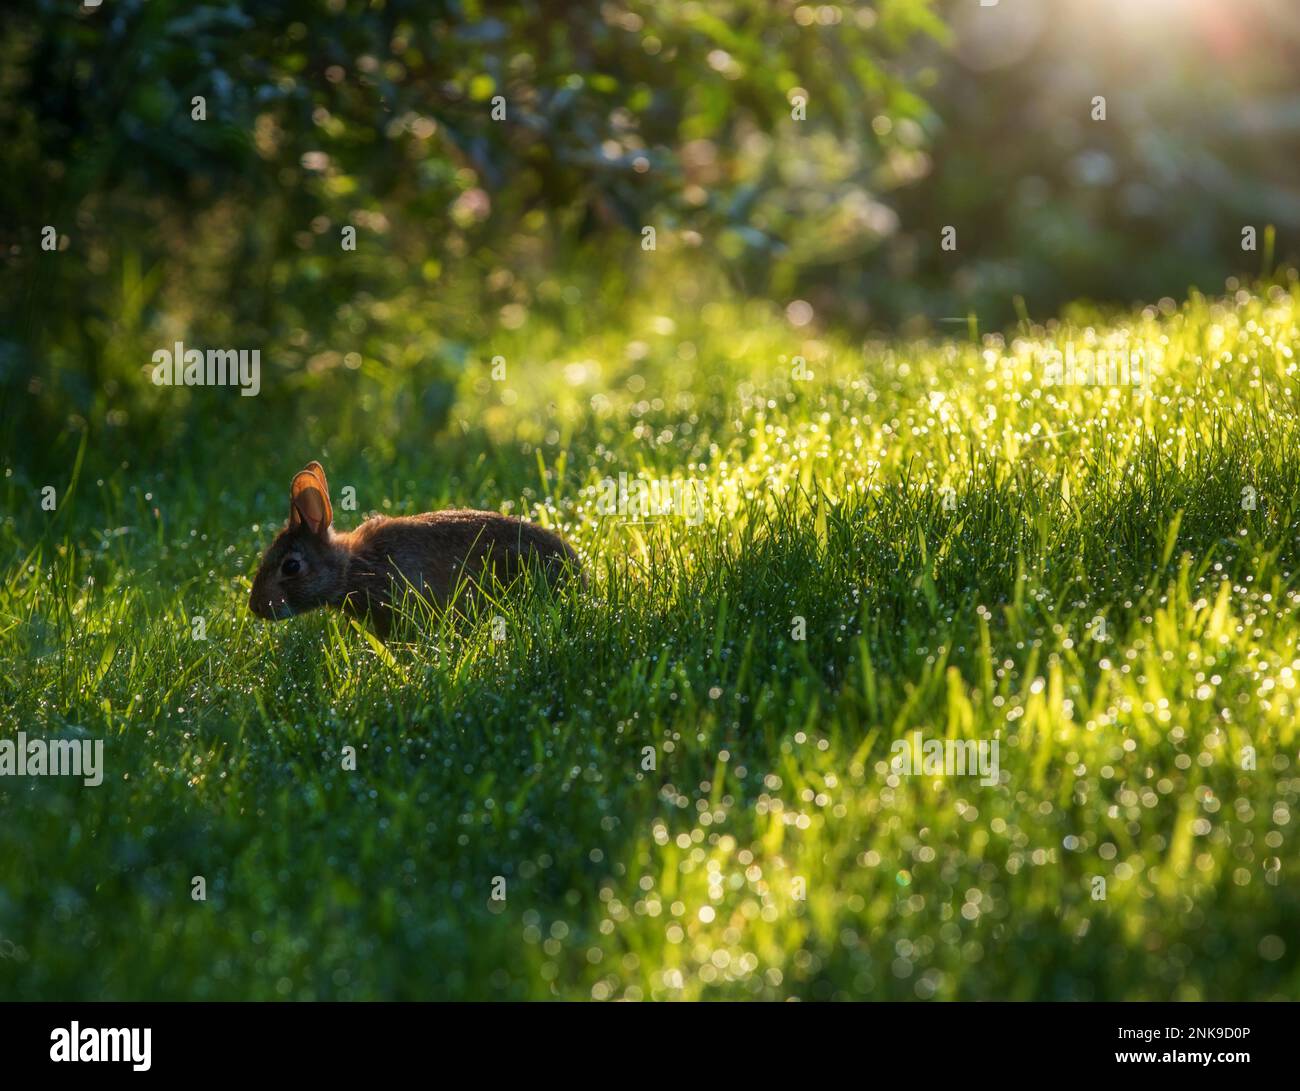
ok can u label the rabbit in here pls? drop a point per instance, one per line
(311, 564)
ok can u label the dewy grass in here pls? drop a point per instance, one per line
(680, 780)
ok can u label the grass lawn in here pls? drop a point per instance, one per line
(683, 798)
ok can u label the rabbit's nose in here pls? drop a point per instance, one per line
(269, 609)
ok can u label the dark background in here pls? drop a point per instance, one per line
(919, 115)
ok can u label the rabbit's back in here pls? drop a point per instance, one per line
(434, 551)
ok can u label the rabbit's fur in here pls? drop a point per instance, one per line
(366, 570)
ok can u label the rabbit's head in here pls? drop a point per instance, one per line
(305, 567)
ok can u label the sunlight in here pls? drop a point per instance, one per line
(1155, 17)
(1005, 34)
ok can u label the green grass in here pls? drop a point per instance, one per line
(1121, 758)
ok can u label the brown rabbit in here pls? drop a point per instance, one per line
(310, 564)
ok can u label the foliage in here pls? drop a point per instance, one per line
(382, 117)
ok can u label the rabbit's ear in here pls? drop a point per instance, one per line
(314, 467)
(309, 502)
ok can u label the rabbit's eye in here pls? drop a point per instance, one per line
(291, 567)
